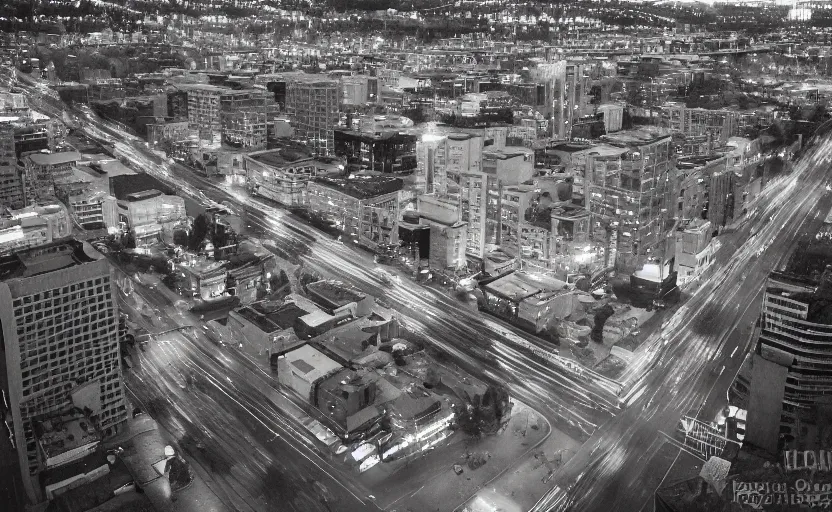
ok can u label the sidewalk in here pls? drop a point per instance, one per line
(521, 484)
(429, 483)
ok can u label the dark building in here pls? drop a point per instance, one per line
(73, 93)
(178, 105)
(388, 152)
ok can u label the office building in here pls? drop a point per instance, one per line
(365, 208)
(629, 184)
(313, 107)
(282, 174)
(207, 103)
(60, 344)
(11, 186)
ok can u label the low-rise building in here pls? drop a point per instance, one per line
(86, 195)
(531, 301)
(43, 169)
(205, 280)
(385, 152)
(695, 249)
(151, 216)
(33, 226)
(282, 175)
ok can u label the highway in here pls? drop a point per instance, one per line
(623, 461)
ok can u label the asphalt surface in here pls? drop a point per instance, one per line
(620, 466)
(224, 414)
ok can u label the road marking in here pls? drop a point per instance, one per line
(735, 350)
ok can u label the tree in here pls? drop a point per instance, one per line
(601, 317)
(199, 231)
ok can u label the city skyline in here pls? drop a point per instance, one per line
(457, 257)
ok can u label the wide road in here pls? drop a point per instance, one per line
(678, 375)
(256, 456)
(620, 466)
(575, 402)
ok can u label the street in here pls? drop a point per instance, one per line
(624, 457)
(714, 321)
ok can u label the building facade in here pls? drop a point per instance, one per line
(313, 107)
(60, 349)
(11, 186)
(628, 193)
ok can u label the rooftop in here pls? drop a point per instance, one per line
(333, 402)
(141, 196)
(363, 187)
(60, 434)
(640, 136)
(519, 285)
(269, 318)
(348, 342)
(281, 156)
(57, 255)
(54, 158)
(311, 363)
(506, 153)
(333, 294)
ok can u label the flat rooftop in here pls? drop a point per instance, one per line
(348, 341)
(269, 319)
(518, 285)
(638, 136)
(141, 196)
(363, 187)
(65, 432)
(332, 294)
(311, 363)
(43, 259)
(54, 158)
(281, 156)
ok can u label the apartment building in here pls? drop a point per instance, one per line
(704, 129)
(244, 128)
(313, 107)
(456, 155)
(11, 186)
(629, 184)
(33, 225)
(567, 91)
(207, 103)
(694, 249)
(151, 215)
(160, 133)
(60, 350)
(694, 177)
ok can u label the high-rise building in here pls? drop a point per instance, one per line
(567, 92)
(313, 107)
(629, 188)
(60, 344)
(11, 186)
(207, 103)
